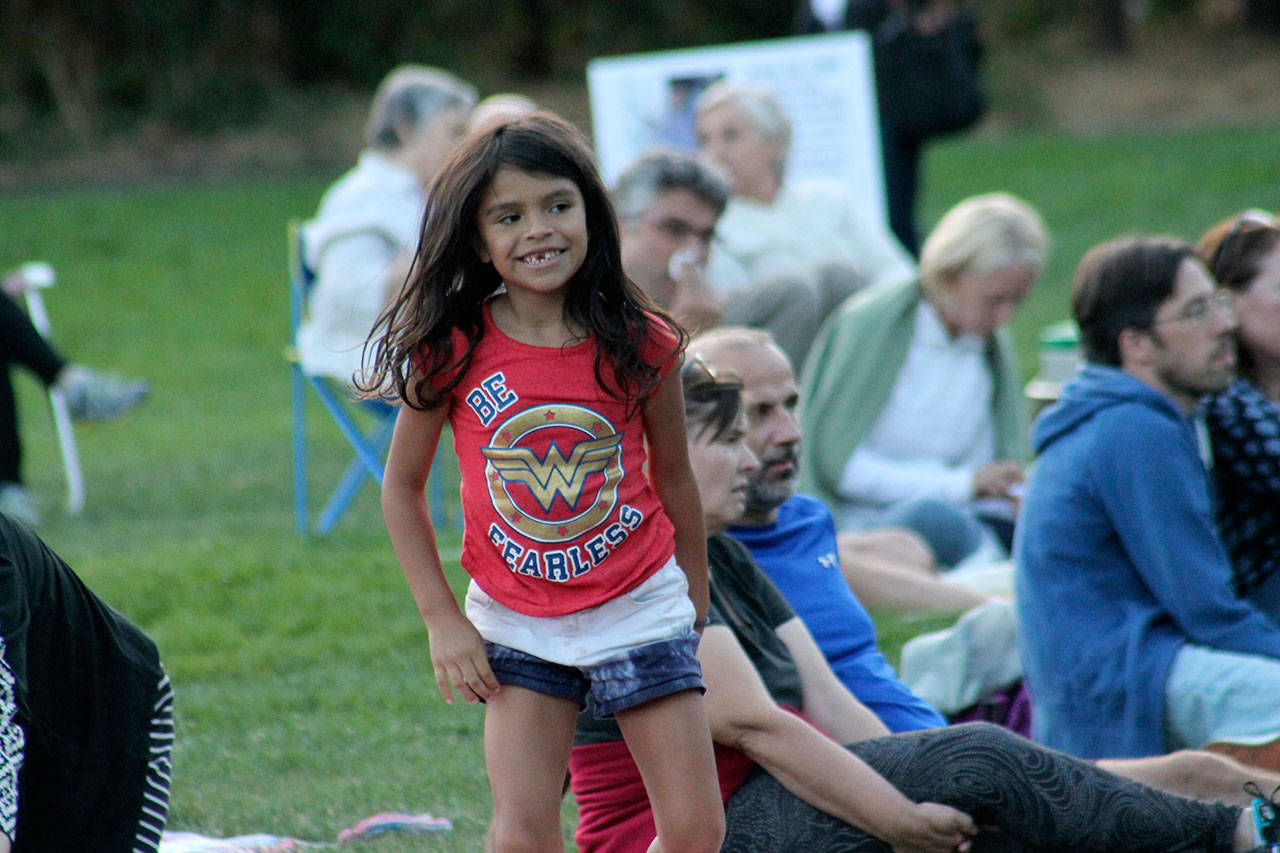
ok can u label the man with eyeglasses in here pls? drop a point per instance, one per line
(1132, 638)
(668, 205)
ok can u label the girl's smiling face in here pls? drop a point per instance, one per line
(533, 229)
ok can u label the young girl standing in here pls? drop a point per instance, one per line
(583, 532)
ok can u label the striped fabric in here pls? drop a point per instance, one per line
(155, 803)
(12, 742)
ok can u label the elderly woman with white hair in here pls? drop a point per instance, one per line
(776, 231)
(911, 408)
(361, 240)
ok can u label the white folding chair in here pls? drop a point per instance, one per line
(40, 276)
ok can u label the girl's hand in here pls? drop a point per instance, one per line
(459, 659)
(933, 828)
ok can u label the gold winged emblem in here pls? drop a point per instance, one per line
(554, 474)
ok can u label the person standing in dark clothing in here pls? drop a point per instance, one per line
(901, 148)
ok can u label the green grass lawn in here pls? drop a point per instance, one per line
(305, 699)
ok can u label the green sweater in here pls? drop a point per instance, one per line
(850, 373)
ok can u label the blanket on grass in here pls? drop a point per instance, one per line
(370, 827)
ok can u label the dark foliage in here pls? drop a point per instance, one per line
(199, 65)
(74, 71)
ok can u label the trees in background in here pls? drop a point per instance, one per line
(72, 71)
(90, 67)
(1111, 21)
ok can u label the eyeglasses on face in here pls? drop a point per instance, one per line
(1203, 308)
(680, 231)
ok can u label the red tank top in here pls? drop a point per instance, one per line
(558, 510)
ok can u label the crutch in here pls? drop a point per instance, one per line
(38, 276)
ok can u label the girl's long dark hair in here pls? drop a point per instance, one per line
(411, 349)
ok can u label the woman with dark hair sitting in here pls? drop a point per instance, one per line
(1243, 253)
(778, 716)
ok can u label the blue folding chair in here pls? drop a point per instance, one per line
(369, 443)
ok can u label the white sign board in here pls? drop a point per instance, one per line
(823, 82)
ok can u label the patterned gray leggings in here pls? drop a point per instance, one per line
(1036, 798)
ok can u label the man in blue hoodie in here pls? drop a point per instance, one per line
(1133, 641)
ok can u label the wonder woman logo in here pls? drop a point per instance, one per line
(542, 491)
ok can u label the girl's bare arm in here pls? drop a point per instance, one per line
(457, 651)
(673, 481)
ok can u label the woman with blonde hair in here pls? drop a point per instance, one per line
(910, 402)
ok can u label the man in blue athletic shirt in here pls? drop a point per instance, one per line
(793, 537)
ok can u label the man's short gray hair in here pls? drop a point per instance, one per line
(658, 172)
(410, 97)
(727, 338)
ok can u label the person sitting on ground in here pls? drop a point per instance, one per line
(790, 786)
(91, 395)
(360, 243)
(792, 538)
(668, 205)
(1243, 253)
(1133, 640)
(779, 240)
(911, 403)
(86, 712)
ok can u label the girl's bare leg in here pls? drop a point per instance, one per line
(527, 739)
(671, 743)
